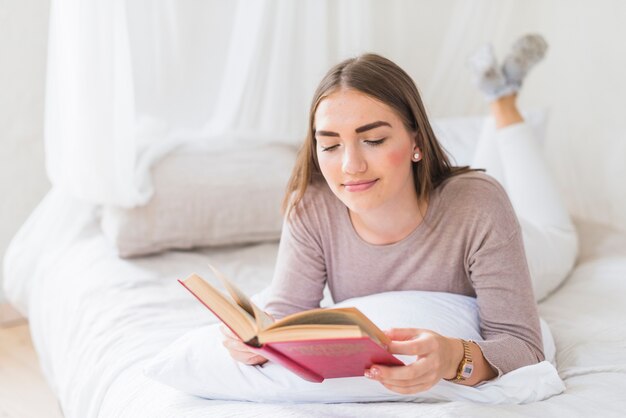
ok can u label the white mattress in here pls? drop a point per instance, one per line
(96, 319)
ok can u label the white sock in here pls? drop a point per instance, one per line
(487, 75)
(525, 53)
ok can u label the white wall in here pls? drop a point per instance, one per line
(581, 82)
(23, 182)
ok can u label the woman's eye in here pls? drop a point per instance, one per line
(329, 148)
(375, 142)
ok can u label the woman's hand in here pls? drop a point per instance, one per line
(437, 357)
(238, 350)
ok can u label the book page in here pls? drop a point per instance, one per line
(335, 316)
(310, 332)
(231, 314)
(262, 319)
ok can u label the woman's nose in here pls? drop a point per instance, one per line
(353, 161)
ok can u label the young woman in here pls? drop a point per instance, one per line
(374, 205)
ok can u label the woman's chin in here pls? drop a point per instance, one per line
(358, 202)
(359, 206)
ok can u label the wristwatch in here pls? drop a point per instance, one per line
(466, 366)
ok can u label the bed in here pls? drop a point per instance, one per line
(96, 319)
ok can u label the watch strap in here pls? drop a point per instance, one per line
(466, 366)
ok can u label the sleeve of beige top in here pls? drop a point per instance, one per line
(499, 272)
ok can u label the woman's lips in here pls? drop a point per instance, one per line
(359, 186)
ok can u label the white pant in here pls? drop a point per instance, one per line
(513, 157)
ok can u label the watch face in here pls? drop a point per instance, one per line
(468, 368)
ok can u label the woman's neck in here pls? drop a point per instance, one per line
(389, 225)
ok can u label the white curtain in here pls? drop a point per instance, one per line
(90, 109)
(120, 76)
(130, 80)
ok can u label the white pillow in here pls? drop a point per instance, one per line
(459, 136)
(206, 198)
(198, 364)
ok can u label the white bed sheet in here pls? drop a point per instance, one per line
(96, 319)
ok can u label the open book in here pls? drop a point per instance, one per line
(315, 344)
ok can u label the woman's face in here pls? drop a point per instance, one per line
(364, 151)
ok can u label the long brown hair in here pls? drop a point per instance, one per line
(385, 81)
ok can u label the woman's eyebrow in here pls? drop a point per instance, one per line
(358, 130)
(371, 126)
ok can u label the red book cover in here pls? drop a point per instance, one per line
(316, 360)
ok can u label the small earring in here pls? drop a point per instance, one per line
(416, 156)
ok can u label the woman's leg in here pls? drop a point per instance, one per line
(509, 151)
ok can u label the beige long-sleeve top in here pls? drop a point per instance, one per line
(468, 243)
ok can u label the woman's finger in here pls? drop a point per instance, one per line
(245, 355)
(414, 371)
(248, 357)
(238, 349)
(427, 378)
(410, 348)
(422, 345)
(236, 345)
(256, 359)
(409, 389)
(402, 334)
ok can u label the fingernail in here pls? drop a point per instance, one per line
(374, 372)
(368, 374)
